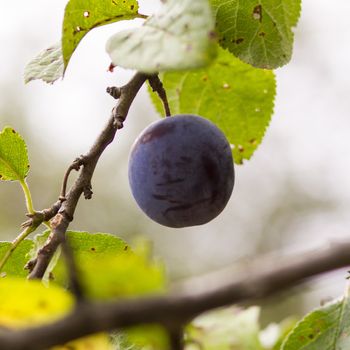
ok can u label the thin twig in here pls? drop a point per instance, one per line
(83, 183)
(114, 91)
(157, 86)
(261, 280)
(78, 162)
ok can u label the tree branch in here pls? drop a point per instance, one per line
(82, 185)
(259, 280)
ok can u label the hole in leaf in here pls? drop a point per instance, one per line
(238, 41)
(257, 13)
(253, 142)
(86, 14)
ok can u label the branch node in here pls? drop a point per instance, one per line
(78, 162)
(37, 218)
(114, 91)
(88, 192)
(30, 265)
(118, 122)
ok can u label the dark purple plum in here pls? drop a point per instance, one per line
(181, 171)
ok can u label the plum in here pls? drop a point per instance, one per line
(181, 171)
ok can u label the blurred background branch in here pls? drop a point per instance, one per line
(260, 280)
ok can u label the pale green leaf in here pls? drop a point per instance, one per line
(47, 65)
(180, 36)
(326, 328)
(14, 164)
(87, 248)
(145, 337)
(225, 329)
(238, 98)
(15, 264)
(108, 268)
(81, 16)
(258, 32)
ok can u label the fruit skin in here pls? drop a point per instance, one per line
(181, 171)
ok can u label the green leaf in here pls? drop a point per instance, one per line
(47, 65)
(225, 329)
(15, 265)
(258, 32)
(326, 328)
(180, 36)
(285, 327)
(235, 96)
(14, 164)
(81, 16)
(108, 268)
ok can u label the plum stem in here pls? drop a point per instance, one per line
(157, 86)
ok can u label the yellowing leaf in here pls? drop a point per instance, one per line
(26, 303)
(94, 342)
